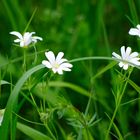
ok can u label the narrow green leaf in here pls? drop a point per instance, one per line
(32, 133)
(109, 66)
(116, 128)
(29, 22)
(9, 13)
(133, 11)
(3, 82)
(12, 99)
(135, 86)
(131, 101)
(69, 85)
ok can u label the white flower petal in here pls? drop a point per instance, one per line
(62, 60)
(28, 35)
(66, 69)
(66, 65)
(134, 54)
(17, 40)
(60, 71)
(116, 55)
(59, 56)
(121, 64)
(47, 64)
(37, 38)
(50, 56)
(134, 31)
(123, 52)
(135, 61)
(22, 44)
(125, 66)
(128, 51)
(54, 70)
(16, 34)
(138, 26)
(32, 33)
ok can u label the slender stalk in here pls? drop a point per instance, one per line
(29, 22)
(34, 102)
(10, 14)
(0, 83)
(35, 58)
(50, 132)
(24, 60)
(133, 12)
(101, 58)
(117, 106)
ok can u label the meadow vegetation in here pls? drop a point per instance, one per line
(86, 97)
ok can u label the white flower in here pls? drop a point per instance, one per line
(25, 39)
(1, 115)
(135, 31)
(126, 57)
(58, 64)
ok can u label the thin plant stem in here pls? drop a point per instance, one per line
(116, 108)
(50, 132)
(0, 83)
(36, 123)
(34, 102)
(35, 59)
(29, 22)
(102, 58)
(24, 60)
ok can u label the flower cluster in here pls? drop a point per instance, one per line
(127, 57)
(59, 64)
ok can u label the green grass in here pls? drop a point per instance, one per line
(97, 100)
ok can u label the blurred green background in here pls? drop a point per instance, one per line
(79, 28)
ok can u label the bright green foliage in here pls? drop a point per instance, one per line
(96, 100)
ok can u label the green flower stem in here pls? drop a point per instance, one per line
(101, 58)
(92, 58)
(44, 107)
(29, 22)
(76, 59)
(34, 102)
(117, 106)
(50, 131)
(35, 57)
(24, 60)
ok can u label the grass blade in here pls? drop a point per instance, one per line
(109, 66)
(135, 86)
(133, 11)
(116, 128)
(3, 82)
(69, 85)
(34, 134)
(12, 99)
(29, 22)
